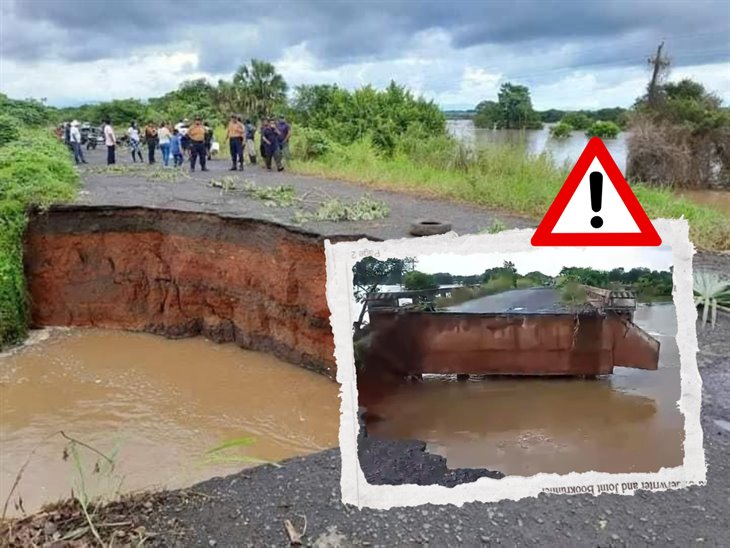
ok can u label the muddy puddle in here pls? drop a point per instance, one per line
(628, 422)
(157, 405)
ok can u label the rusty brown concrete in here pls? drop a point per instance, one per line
(413, 343)
(633, 347)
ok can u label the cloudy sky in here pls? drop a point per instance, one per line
(572, 54)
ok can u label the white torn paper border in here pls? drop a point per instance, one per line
(342, 256)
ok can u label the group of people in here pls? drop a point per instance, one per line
(174, 142)
(275, 135)
(195, 142)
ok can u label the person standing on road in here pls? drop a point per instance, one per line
(284, 134)
(110, 139)
(163, 134)
(176, 148)
(208, 139)
(197, 144)
(150, 138)
(234, 134)
(272, 145)
(67, 134)
(133, 135)
(75, 136)
(250, 144)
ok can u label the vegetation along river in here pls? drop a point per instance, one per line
(566, 151)
(627, 422)
(160, 404)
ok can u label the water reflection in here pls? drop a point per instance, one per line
(563, 151)
(628, 422)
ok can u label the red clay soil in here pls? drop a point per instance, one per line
(181, 274)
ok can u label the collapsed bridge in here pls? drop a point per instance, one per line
(476, 338)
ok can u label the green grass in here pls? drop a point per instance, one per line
(501, 177)
(37, 170)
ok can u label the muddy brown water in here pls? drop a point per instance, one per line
(160, 404)
(628, 422)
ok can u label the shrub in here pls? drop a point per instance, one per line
(604, 130)
(498, 284)
(577, 120)
(35, 169)
(419, 280)
(572, 292)
(525, 283)
(561, 130)
(384, 139)
(9, 129)
(308, 144)
(26, 112)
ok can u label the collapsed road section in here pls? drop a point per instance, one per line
(180, 274)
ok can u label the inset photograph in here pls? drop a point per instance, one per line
(516, 364)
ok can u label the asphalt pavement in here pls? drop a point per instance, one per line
(524, 301)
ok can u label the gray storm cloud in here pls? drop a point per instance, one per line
(227, 31)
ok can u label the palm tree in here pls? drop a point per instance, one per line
(260, 88)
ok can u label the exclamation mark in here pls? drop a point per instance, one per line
(596, 179)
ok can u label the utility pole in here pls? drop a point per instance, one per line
(660, 63)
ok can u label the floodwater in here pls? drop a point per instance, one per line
(536, 141)
(565, 152)
(160, 404)
(627, 422)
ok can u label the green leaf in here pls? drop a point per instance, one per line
(239, 442)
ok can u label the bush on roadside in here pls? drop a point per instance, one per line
(308, 144)
(9, 129)
(498, 284)
(35, 169)
(27, 112)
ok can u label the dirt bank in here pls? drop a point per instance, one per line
(181, 274)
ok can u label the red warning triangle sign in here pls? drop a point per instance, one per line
(595, 207)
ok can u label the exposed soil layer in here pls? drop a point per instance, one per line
(181, 274)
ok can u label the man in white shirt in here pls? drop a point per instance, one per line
(75, 140)
(111, 142)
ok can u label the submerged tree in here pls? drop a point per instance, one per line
(513, 110)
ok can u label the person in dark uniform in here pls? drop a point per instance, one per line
(197, 144)
(150, 138)
(208, 139)
(250, 138)
(271, 140)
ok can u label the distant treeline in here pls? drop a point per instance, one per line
(617, 115)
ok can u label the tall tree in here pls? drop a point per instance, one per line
(369, 273)
(262, 89)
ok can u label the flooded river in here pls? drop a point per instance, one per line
(160, 404)
(537, 141)
(566, 152)
(628, 422)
